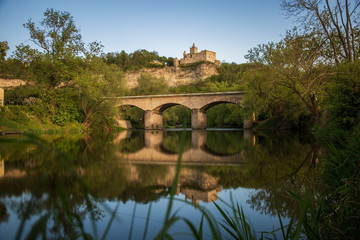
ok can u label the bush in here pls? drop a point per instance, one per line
(57, 106)
(343, 98)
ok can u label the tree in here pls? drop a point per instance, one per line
(343, 96)
(58, 36)
(335, 22)
(148, 85)
(294, 70)
(3, 49)
(93, 86)
(58, 57)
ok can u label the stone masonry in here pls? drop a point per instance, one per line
(154, 105)
(195, 56)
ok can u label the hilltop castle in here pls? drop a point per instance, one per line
(195, 56)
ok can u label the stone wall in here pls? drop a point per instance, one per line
(204, 55)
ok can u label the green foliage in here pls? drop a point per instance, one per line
(289, 79)
(225, 115)
(194, 65)
(134, 114)
(341, 181)
(57, 106)
(176, 116)
(343, 96)
(196, 87)
(3, 49)
(57, 35)
(235, 224)
(149, 85)
(137, 60)
(23, 92)
(17, 118)
(92, 86)
(321, 19)
(231, 73)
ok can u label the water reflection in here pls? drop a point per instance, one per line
(162, 147)
(139, 166)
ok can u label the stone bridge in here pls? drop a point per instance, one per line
(154, 105)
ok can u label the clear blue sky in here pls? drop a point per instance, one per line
(228, 27)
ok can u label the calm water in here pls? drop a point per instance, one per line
(129, 176)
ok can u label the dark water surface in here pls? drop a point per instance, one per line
(129, 176)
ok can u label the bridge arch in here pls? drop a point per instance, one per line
(131, 112)
(212, 104)
(130, 105)
(165, 106)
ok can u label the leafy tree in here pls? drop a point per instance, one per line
(58, 58)
(177, 115)
(3, 49)
(231, 73)
(225, 115)
(92, 88)
(343, 96)
(26, 55)
(334, 22)
(294, 72)
(137, 60)
(149, 85)
(62, 110)
(58, 36)
(169, 62)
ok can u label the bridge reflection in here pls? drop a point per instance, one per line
(197, 153)
(195, 185)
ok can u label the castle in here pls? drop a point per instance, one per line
(195, 56)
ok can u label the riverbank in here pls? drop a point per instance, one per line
(19, 120)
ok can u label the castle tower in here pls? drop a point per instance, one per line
(193, 49)
(176, 62)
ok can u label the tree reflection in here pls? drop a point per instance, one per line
(133, 144)
(224, 142)
(278, 164)
(171, 140)
(4, 215)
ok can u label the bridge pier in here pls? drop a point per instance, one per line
(198, 119)
(198, 139)
(153, 120)
(153, 139)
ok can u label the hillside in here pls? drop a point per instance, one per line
(174, 76)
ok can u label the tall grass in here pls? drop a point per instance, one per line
(341, 176)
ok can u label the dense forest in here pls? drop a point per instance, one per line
(310, 79)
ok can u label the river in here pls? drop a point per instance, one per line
(120, 185)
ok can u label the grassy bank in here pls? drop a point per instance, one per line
(20, 118)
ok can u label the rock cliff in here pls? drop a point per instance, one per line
(175, 76)
(11, 83)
